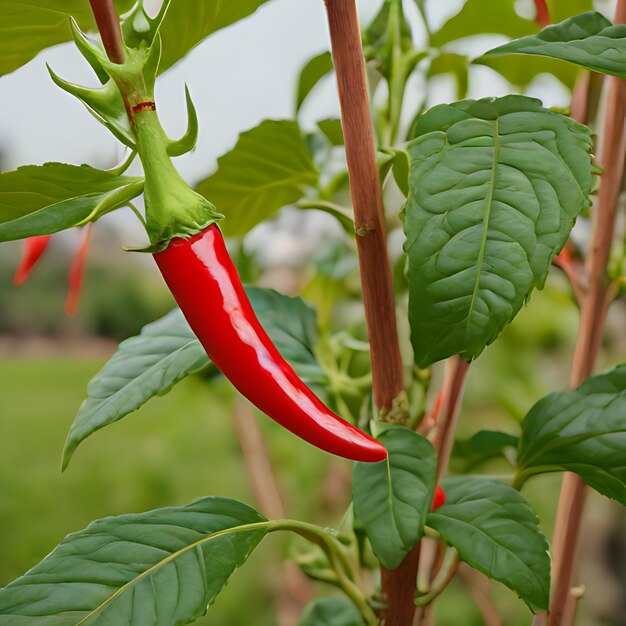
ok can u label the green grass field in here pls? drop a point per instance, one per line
(182, 446)
(177, 448)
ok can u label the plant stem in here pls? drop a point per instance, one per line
(291, 587)
(109, 26)
(446, 573)
(337, 558)
(367, 201)
(453, 388)
(593, 315)
(376, 279)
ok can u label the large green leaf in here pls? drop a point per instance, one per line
(29, 26)
(156, 568)
(496, 532)
(167, 351)
(588, 40)
(478, 17)
(495, 187)
(269, 168)
(522, 70)
(582, 431)
(188, 22)
(331, 612)
(392, 498)
(312, 72)
(483, 446)
(44, 199)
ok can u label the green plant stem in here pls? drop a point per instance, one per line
(397, 76)
(422, 12)
(337, 557)
(444, 576)
(135, 210)
(592, 320)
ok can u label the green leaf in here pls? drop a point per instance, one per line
(495, 188)
(562, 9)
(483, 446)
(291, 323)
(313, 71)
(188, 22)
(44, 199)
(496, 532)
(588, 40)
(332, 130)
(29, 26)
(167, 351)
(392, 498)
(455, 64)
(479, 17)
(522, 70)
(269, 168)
(161, 567)
(399, 165)
(331, 612)
(388, 35)
(581, 431)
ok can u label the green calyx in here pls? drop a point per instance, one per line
(124, 103)
(173, 209)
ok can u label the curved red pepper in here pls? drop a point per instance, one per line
(205, 283)
(34, 247)
(439, 499)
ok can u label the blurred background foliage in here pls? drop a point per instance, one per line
(183, 445)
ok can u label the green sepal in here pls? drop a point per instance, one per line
(114, 200)
(92, 52)
(125, 164)
(139, 29)
(104, 103)
(188, 141)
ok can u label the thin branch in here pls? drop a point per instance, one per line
(292, 588)
(453, 388)
(478, 587)
(593, 317)
(256, 458)
(108, 24)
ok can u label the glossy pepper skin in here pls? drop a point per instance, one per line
(34, 247)
(204, 281)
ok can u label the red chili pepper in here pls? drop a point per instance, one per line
(77, 269)
(439, 499)
(205, 283)
(34, 247)
(542, 16)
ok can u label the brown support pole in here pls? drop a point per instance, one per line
(376, 280)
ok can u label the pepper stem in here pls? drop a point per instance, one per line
(173, 209)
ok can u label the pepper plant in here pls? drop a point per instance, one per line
(488, 192)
